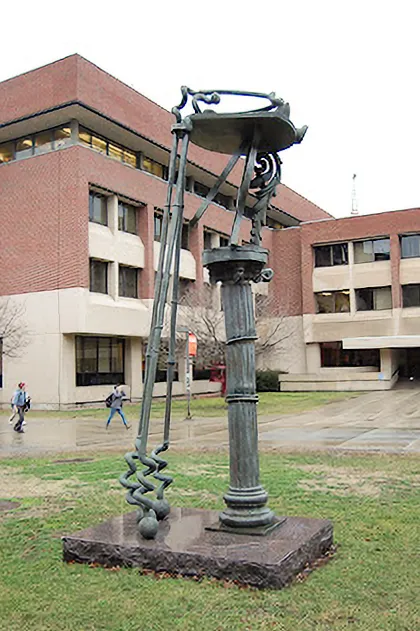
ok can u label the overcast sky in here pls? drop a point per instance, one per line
(348, 69)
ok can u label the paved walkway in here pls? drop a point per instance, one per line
(386, 422)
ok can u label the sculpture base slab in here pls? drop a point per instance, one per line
(259, 531)
(185, 547)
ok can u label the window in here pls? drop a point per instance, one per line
(62, 137)
(98, 212)
(98, 271)
(42, 142)
(373, 298)
(224, 242)
(328, 255)
(128, 279)
(334, 356)
(7, 152)
(155, 168)
(157, 226)
(411, 295)
(410, 246)
(107, 147)
(272, 223)
(24, 148)
(372, 250)
(185, 236)
(127, 218)
(222, 200)
(208, 240)
(333, 301)
(201, 189)
(99, 360)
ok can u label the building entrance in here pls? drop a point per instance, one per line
(410, 363)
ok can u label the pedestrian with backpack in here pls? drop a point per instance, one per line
(115, 402)
(22, 401)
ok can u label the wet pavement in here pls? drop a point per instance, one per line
(386, 422)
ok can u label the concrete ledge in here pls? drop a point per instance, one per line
(183, 546)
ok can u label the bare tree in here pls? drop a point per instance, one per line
(13, 328)
(200, 310)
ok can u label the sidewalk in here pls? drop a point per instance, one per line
(387, 422)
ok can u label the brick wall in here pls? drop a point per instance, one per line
(44, 237)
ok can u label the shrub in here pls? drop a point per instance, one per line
(267, 381)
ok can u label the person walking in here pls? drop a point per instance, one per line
(116, 399)
(21, 402)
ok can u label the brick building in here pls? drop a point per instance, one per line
(83, 164)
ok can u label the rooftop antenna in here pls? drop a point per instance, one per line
(354, 208)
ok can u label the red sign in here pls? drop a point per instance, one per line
(192, 345)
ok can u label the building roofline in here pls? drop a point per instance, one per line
(354, 217)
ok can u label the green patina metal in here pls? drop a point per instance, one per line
(258, 135)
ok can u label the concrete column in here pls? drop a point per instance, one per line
(395, 271)
(133, 368)
(196, 239)
(145, 224)
(74, 127)
(351, 277)
(112, 207)
(113, 279)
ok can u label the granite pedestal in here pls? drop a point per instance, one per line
(184, 546)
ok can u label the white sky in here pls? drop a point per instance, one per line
(349, 70)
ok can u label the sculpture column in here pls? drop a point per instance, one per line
(236, 267)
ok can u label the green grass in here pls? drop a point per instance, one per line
(371, 584)
(270, 403)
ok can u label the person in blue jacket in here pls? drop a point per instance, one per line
(21, 401)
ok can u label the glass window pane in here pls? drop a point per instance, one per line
(115, 152)
(224, 242)
(151, 166)
(157, 227)
(201, 189)
(325, 302)
(363, 252)
(99, 144)
(382, 298)
(43, 142)
(24, 148)
(85, 137)
(117, 356)
(364, 299)
(411, 295)
(131, 219)
(382, 249)
(339, 254)
(130, 158)
(323, 256)
(128, 282)
(120, 216)
(410, 246)
(6, 152)
(207, 240)
(342, 301)
(185, 236)
(62, 137)
(98, 276)
(98, 211)
(88, 354)
(104, 354)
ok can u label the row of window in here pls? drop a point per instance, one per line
(128, 279)
(367, 299)
(98, 213)
(101, 360)
(334, 356)
(35, 144)
(52, 139)
(366, 251)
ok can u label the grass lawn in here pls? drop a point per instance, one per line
(270, 403)
(371, 584)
